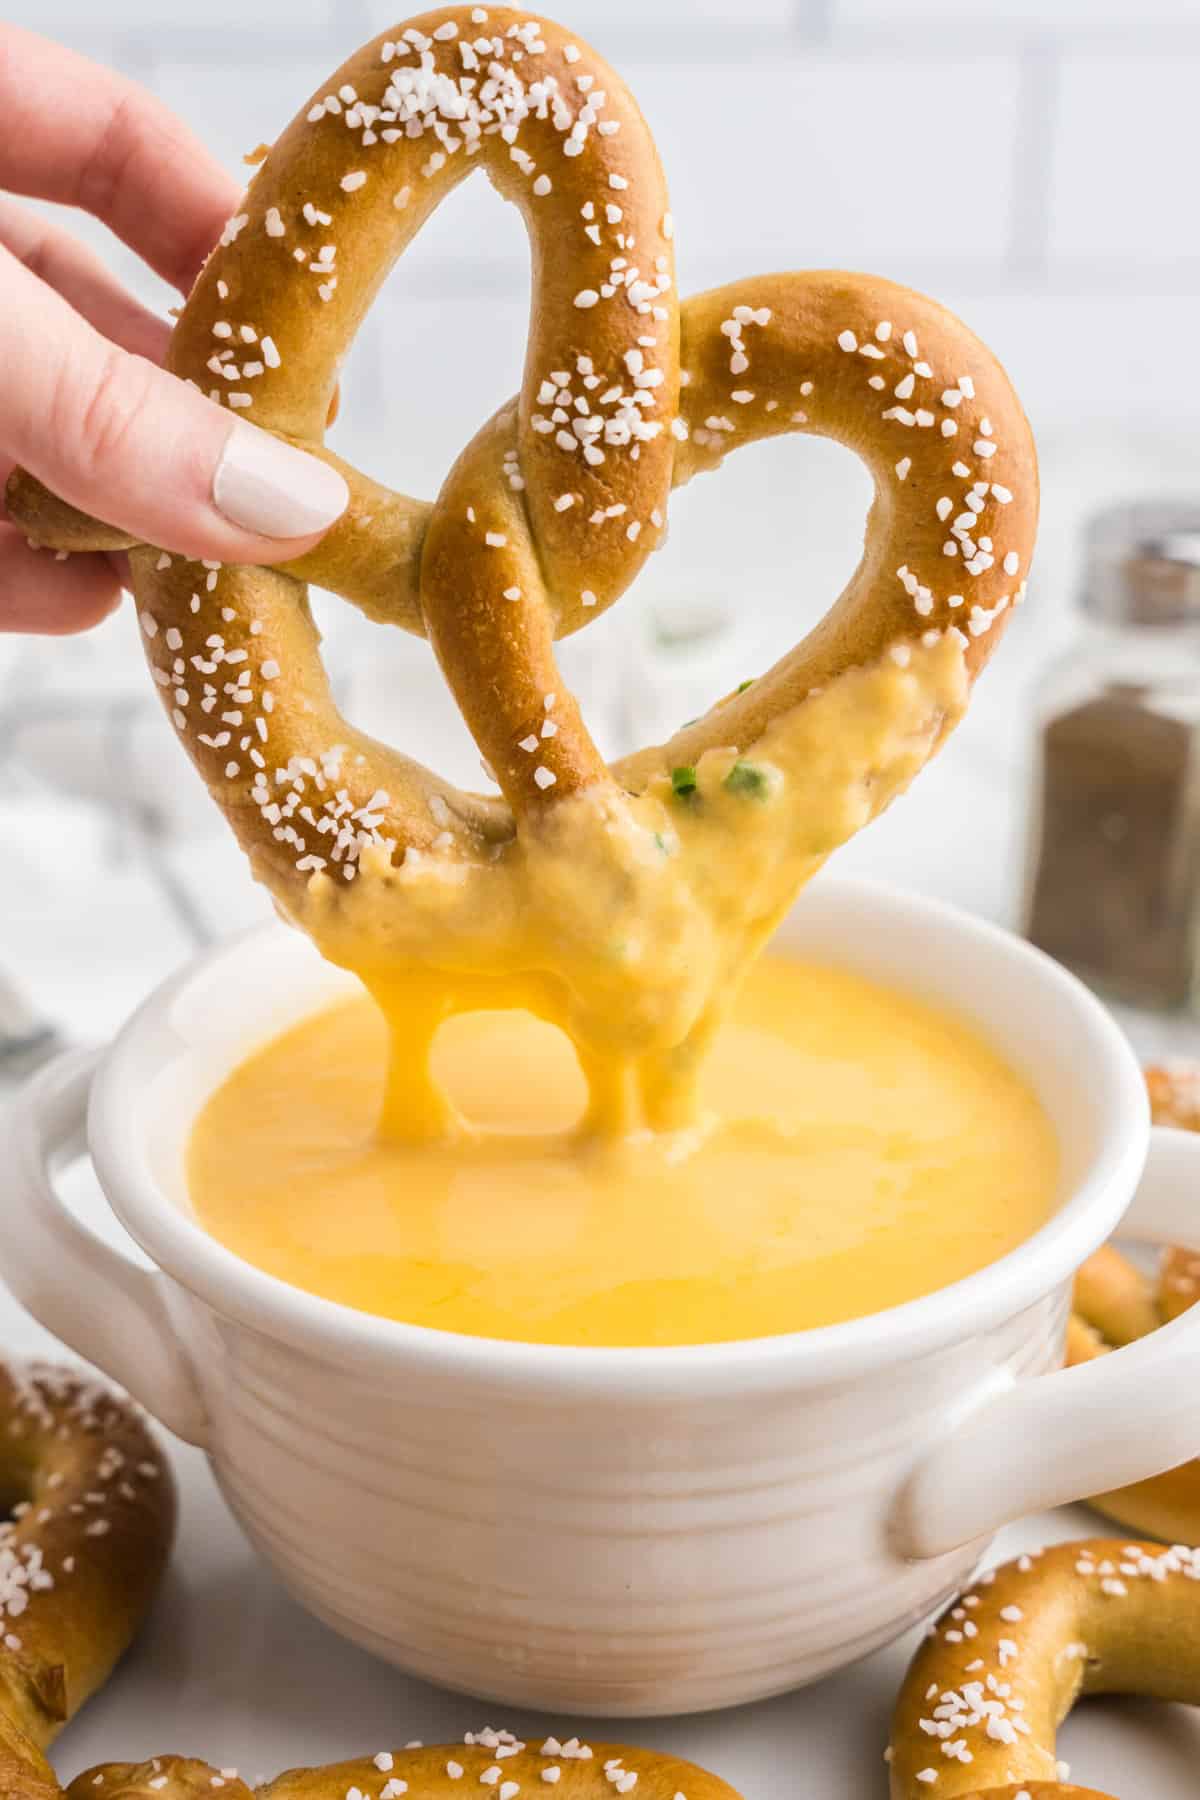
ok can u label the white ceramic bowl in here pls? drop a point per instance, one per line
(619, 1531)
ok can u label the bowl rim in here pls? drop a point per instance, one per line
(329, 1330)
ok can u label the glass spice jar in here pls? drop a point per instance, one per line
(1114, 867)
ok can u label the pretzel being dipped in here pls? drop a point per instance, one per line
(626, 899)
(1115, 1304)
(980, 1707)
(93, 1512)
(487, 1759)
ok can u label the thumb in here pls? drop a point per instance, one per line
(119, 438)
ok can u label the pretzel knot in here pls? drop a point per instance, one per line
(984, 1696)
(636, 891)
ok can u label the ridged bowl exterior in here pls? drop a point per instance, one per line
(623, 1559)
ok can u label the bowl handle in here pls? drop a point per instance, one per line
(97, 1301)
(1080, 1431)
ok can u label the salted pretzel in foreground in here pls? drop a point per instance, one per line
(1115, 1304)
(92, 1517)
(80, 1562)
(489, 1759)
(620, 902)
(981, 1704)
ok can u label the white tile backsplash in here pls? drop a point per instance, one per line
(1029, 160)
(671, 24)
(1127, 146)
(828, 160)
(1086, 357)
(65, 18)
(423, 377)
(1043, 18)
(237, 108)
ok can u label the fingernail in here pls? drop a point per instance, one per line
(266, 486)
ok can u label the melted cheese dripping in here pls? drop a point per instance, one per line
(628, 920)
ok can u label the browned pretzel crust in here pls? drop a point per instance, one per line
(487, 1759)
(1114, 1304)
(980, 1707)
(551, 510)
(1040, 1790)
(92, 1516)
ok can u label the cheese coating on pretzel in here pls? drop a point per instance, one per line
(984, 1696)
(490, 1759)
(93, 1512)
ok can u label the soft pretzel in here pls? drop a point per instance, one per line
(1115, 1303)
(981, 1704)
(1040, 1790)
(541, 523)
(488, 1758)
(91, 1523)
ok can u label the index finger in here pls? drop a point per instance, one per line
(83, 135)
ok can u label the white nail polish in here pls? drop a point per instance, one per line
(266, 486)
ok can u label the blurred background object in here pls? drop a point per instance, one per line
(1029, 162)
(1115, 831)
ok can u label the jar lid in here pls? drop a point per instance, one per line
(1142, 563)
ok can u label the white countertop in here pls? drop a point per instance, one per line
(229, 1668)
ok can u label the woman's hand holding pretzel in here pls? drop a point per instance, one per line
(86, 404)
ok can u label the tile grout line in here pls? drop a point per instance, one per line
(813, 21)
(1038, 100)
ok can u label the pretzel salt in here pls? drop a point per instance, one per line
(551, 510)
(981, 1704)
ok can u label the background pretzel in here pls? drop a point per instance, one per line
(1115, 1303)
(980, 1707)
(488, 1759)
(91, 1523)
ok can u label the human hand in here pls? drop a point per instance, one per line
(85, 403)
